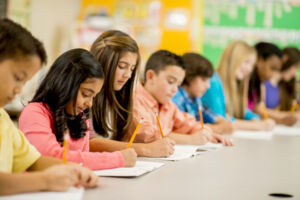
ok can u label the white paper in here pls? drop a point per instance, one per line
(186, 151)
(286, 130)
(71, 194)
(210, 146)
(256, 135)
(181, 152)
(139, 169)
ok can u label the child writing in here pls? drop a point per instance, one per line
(61, 106)
(119, 56)
(287, 86)
(230, 94)
(21, 56)
(281, 89)
(268, 62)
(164, 73)
(198, 71)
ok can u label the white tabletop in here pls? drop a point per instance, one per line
(251, 170)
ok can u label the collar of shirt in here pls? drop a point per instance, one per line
(149, 99)
(195, 100)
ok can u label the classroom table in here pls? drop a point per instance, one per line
(252, 169)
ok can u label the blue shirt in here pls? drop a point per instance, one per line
(214, 98)
(191, 106)
(272, 95)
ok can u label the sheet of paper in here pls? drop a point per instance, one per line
(71, 194)
(210, 146)
(286, 130)
(181, 152)
(255, 135)
(139, 169)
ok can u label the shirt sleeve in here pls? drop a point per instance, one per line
(147, 131)
(24, 153)
(36, 125)
(184, 123)
(209, 116)
(249, 115)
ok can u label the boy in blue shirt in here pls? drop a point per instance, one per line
(196, 82)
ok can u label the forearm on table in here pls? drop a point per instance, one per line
(101, 144)
(21, 182)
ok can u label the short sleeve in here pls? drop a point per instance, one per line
(24, 153)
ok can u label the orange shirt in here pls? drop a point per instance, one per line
(171, 118)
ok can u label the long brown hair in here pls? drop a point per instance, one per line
(107, 49)
(235, 91)
(287, 89)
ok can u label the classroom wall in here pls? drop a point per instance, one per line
(51, 22)
(252, 21)
(210, 25)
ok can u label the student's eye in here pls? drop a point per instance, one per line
(171, 82)
(17, 78)
(132, 68)
(84, 95)
(121, 66)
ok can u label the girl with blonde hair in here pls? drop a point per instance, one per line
(235, 67)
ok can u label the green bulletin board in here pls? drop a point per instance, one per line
(252, 21)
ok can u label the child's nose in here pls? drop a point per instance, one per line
(127, 74)
(17, 89)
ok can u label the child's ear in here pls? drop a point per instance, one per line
(149, 75)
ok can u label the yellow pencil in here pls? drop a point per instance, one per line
(294, 106)
(201, 117)
(265, 111)
(134, 133)
(65, 147)
(161, 131)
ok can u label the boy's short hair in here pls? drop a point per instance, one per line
(159, 60)
(16, 41)
(196, 66)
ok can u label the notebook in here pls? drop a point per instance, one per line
(71, 194)
(139, 169)
(181, 152)
(286, 130)
(256, 135)
(186, 151)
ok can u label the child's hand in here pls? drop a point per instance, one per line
(130, 157)
(87, 177)
(60, 177)
(207, 131)
(289, 119)
(268, 124)
(199, 138)
(226, 127)
(160, 148)
(216, 138)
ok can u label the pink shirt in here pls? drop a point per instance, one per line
(36, 122)
(251, 104)
(171, 119)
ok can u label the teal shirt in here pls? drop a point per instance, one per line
(214, 98)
